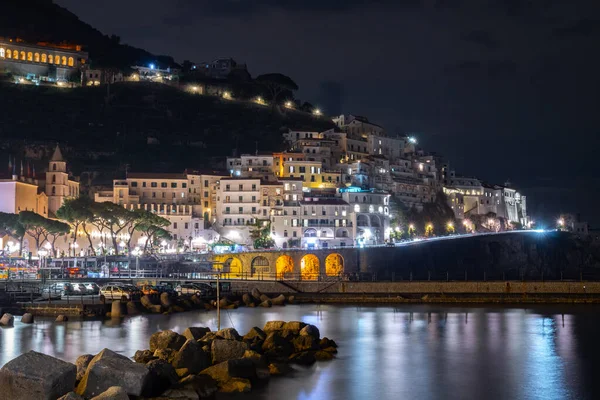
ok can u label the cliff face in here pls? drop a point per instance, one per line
(526, 255)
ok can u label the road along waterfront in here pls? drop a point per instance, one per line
(386, 352)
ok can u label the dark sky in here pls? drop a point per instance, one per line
(506, 89)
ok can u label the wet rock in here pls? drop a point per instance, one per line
(304, 358)
(223, 350)
(132, 308)
(271, 326)
(294, 326)
(27, 318)
(192, 357)
(165, 300)
(326, 342)
(155, 309)
(256, 294)
(264, 297)
(165, 354)
(305, 343)
(7, 320)
(195, 332)
(278, 301)
(112, 393)
(36, 376)
(71, 396)
(108, 369)
(197, 301)
(146, 301)
(247, 299)
(166, 340)
(61, 318)
(81, 364)
(291, 299)
(275, 346)
(229, 333)
(143, 356)
(116, 309)
(182, 372)
(279, 369)
(239, 368)
(266, 304)
(224, 302)
(323, 355)
(162, 376)
(236, 385)
(310, 330)
(185, 393)
(331, 350)
(204, 385)
(259, 360)
(255, 332)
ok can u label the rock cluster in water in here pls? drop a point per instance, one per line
(193, 365)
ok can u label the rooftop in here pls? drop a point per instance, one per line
(155, 175)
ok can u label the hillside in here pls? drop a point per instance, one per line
(185, 130)
(43, 21)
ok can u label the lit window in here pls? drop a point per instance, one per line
(356, 208)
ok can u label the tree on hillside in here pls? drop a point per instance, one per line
(153, 227)
(276, 84)
(10, 224)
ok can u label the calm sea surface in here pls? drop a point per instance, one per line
(385, 352)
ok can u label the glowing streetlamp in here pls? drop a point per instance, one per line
(317, 112)
(227, 95)
(289, 104)
(412, 140)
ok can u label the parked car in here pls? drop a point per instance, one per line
(149, 290)
(55, 290)
(166, 288)
(77, 289)
(91, 288)
(199, 289)
(111, 292)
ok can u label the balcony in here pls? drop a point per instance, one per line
(241, 202)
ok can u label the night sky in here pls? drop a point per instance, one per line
(506, 89)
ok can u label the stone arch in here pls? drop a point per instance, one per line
(36, 57)
(326, 233)
(375, 221)
(310, 232)
(71, 62)
(260, 264)
(57, 60)
(44, 58)
(362, 220)
(342, 232)
(334, 264)
(8, 53)
(23, 56)
(284, 267)
(230, 265)
(50, 59)
(309, 267)
(64, 60)
(29, 56)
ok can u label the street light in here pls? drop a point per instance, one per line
(317, 112)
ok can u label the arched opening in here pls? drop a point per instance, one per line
(29, 56)
(23, 56)
(310, 232)
(326, 233)
(53, 190)
(53, 178)
(53, 167)
(375, 221)
(44, 58)
(260, 265)
(2, 52)
(64, 60)
(71, 62)
(233, 266)
(57, 60)
(50, 59)
(341, 232)
(334, 265)
(8, 53)
(362, 220)
(309, 267)
(284, 266)
(36, 57)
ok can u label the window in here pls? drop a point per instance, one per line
(241, 210)
(153, 184)
(8, 54)
(285, 233)
(173, 195)
(175, 236)
(253, 210)
(44, 58)
(174, 225)
(2, 52)
(29, 56)
(164, 195)
(227, 188)
(184, 185)
(253, 186)
(185, 225)
(196, 225)
(134, 184)
(153, 194)
(241, 186)
(302, 170)
(64, 60)
(294, 234)
(174, 185)
(36, 57)
(205, 194)
(71, 62)
(163, 184)
(227, 210)
(206, 204)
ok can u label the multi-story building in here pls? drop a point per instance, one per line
(252, 166)
(238, 207)
(370, 214)
(42, 61)
(202, 188)
(326, 222)
(312, 174)
(22, 194)
(58, 184)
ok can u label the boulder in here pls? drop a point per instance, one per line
(259, 360)
(326, 342)
(162, 376)
(117, 309)
(239, 368)
(266, 304)
(7, 320)
(27, 318)
(278, 301)
(165, 354)
(108, 369)
(192, 357)
(143, 356)
(331, 350)
(255, 333)
(182, 372)
(185, 393)
(288, 335)
(256, 294)
(71, 396)
(305, 343)
(165, 300)
(236, 385)
(228, 333)
(34, 375)
(279, 369)
(294, 326)
(264, 297)
(195, 332)
(81, 364)
(204, 385)
(166, 340)
(323, 355)
(132, 308)
(146, 301)
(275, 346)
(247, 299)
(61, 318)
(224, 302)
(196, 300)
(304, 358)
(155, 309)
(310, 330)
(291, 299)
(112, 393)
(223, 350)
(271, 326)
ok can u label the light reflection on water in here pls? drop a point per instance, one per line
(408, 351)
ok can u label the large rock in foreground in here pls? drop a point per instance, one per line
(112, 393)
(108, 369)
(36, 376)
(192, 357)
(223, 350)
(166, 340)
(240, 368)
(7, 320)
(195, 332)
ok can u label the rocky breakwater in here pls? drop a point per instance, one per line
(193, 365)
